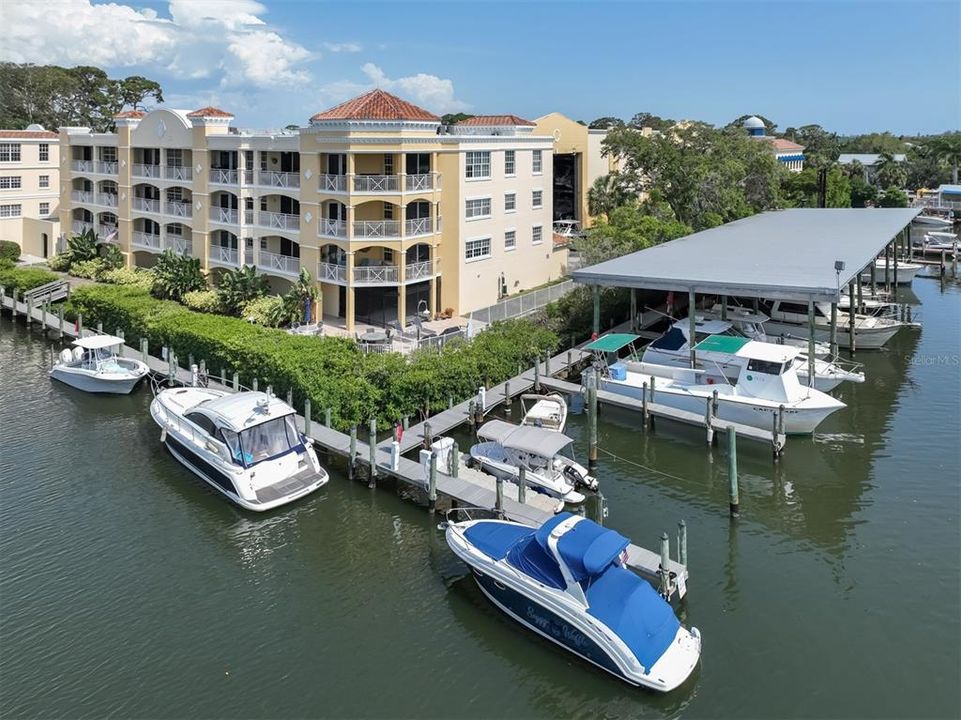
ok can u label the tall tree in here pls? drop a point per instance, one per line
(603, 123)
(134, 90)
(627, 230)
(646, 119)
(609, 192)
(890, 173)
(947, 149)
(821, 147)
(801, 189)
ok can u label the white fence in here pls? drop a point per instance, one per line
(521, 305)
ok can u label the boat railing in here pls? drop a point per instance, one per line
(463, 514)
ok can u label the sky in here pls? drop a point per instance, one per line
(849, 66)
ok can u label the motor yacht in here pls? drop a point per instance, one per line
(94, 366)
(936, 241)
(791, 318)
(906, 272)
(505, 448)
(568, 582)
(245, 445)
(544, 411)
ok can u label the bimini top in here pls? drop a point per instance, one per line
(525, 438)
(587, 548)
(728, 344)
(242, 410)
(612, 342)
(769, 352)
(98, 342)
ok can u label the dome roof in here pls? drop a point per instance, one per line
(754, 123)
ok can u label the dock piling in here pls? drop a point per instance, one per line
(507, 397)
(29, 309)
(592, 420)
(79, 319)
(644, 410)
(236, 381)
(99, 327)
(256, 383)
(428, 436)
(471, 413)
(499, 497)
(290, 397)
(665, 571)
(455, 460)
(270, 391)
(394, 455)
(482, 399)
(327, 416)
(682, 543)
(60, 321)
(353, 452)
(732, 471)
(372, 457)
(306, 415)
(432, 482)
(193, 375)
(709, 421)
(522, 485)
(537, 376)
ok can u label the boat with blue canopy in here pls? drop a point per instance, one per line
(568, 581)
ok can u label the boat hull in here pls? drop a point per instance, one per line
(94, 383)
(872, 338)
(905, 274)
(511, 474)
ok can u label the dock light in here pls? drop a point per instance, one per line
(838, 266)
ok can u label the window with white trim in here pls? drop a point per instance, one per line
(9, 211)
(44, 181)
(537, 198)
(477, 249)
(44, 152)
(537, 161)
(45, 208)
(509, 162)
(510, 239)
(477, 165)
(10, 182)
(510, 202)
(388, 210)
(537, 235)
(477, 208)
(9, 152)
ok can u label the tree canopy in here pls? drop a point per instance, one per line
(603, 123)
(454, 118)
(801, 189)
(54, 96)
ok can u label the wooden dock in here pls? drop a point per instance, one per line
(471, 488)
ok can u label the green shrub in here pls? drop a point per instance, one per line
(239, 287)
(6, 263)
(122, 276)
(332, 372)
(60, 263)
(26, 278)
(176, 275)
(111, 256)
(267, 311)
(9, 250)
(202, 301)
(87, 268)
(82, 247)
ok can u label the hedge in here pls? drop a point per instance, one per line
(25, 278)
(9, 251)
(332, 372)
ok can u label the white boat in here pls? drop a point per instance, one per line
(936, 241)
(766, 382)
(791, 318)
(719, 357)
(547, 411)
(568, 229)
(94, 366)
(937, 220)
(245, 445)
(751, 325)
(568, 582)
(505, 448)
(906, 272)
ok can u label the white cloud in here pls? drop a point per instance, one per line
(218, 39)
(346, 47)
(434, 93)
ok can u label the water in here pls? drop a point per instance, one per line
(129, 589)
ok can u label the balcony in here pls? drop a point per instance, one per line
(270, 178)
(376, 183)
(389, 229)
(180, 245)
(376, 275)
(178, 172)
(276, 263)
(329, 272)
(421, 183)
(82, 196)
(79, 226)
(278, 221)
(104, 167)
(108, 233)
(226, 216)
(83, 166)
(147, 171)
(420, 226)
(418, 271)
(149, 205)
(223, 255)
(224, 177)
(178, 209)
(329, 228)
(106, 199)
(146, 241)
(332, 183)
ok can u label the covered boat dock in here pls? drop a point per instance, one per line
(802, 254)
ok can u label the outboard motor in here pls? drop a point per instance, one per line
(578, 479)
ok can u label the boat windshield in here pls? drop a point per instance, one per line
(766, 367)
(267, 440)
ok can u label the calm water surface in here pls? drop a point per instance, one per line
(129, 589)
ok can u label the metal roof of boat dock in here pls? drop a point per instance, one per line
(781, 254)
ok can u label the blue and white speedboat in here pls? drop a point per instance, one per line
(568, 582)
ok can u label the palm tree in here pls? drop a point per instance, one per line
(889, 172)
(947, 149)
(608, 192)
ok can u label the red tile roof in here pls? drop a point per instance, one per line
(135, 114)
(27, 134)
(209, 112)
(782, 145)
(376, 105)
(488, 120)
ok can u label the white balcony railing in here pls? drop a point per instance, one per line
(376, 275)
(146, 205)
(146, 171)
(107, 232)
(419, 226)
(332, 228)
(178, 172)
(275, 262)
(82, 166)
(425, 181)
(178, 209)
(227, 216)
(79, 226)
(376, 183)
(180, 245)
(224, 177)
(333, 183)
(278, 221)
(83, 196)
(271, 178)
(224, 255)
(376, 228)
(418, 270)
(105, 167)
(329, 272)
(149, 241)
(106, 199)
